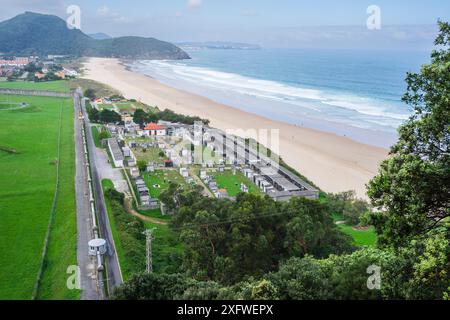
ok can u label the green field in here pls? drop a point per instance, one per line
(232, 183)
(60, 86)
(163, 178)
(360, 237)
(28, 154)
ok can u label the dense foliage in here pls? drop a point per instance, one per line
(227, 241)
(141, 117)
(419, 271)
(412, 189)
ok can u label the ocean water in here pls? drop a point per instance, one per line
(350, 93)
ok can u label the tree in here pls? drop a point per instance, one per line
(302, 279)
(90, 93)
(139, 117)
(109, 116)
(142, 165)
(353, 211)
(103, 135)
(412, 190)
(152, 286)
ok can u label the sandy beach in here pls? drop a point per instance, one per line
(332, 162)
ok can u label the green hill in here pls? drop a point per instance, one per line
(40, 34)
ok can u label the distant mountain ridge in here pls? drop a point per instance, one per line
(219, 45)
(99, 36)
(41, 34)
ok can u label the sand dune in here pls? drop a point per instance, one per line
(332, 162)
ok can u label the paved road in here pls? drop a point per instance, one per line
(114, 273)
(106, 171)
(87, 264)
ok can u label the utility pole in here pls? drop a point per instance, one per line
(148, 245)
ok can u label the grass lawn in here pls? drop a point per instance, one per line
(232, 183)
(96, 135)
(102, 106)
(360, 237)
(124, 105)
(150, 155)
(28, 150)
(58, 85)
(163, 179)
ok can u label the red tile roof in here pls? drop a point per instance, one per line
(154, 126)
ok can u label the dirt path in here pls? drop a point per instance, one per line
(133, 212)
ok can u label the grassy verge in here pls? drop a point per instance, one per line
(127, 233)
(96, 130)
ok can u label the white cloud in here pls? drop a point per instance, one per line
(106, 12)
(194, 3)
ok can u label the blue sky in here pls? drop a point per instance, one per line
(283, 23)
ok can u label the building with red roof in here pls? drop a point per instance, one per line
(154, 129)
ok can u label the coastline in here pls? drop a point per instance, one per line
(334, 163)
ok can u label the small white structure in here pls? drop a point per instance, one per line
(202, 174)
(248, 173)
(265, 186)
(184, 172)
(244, 188)
(126, 151)
(134, 172)
(97, 245)
(150, 167)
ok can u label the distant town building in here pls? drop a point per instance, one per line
(17, 62)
